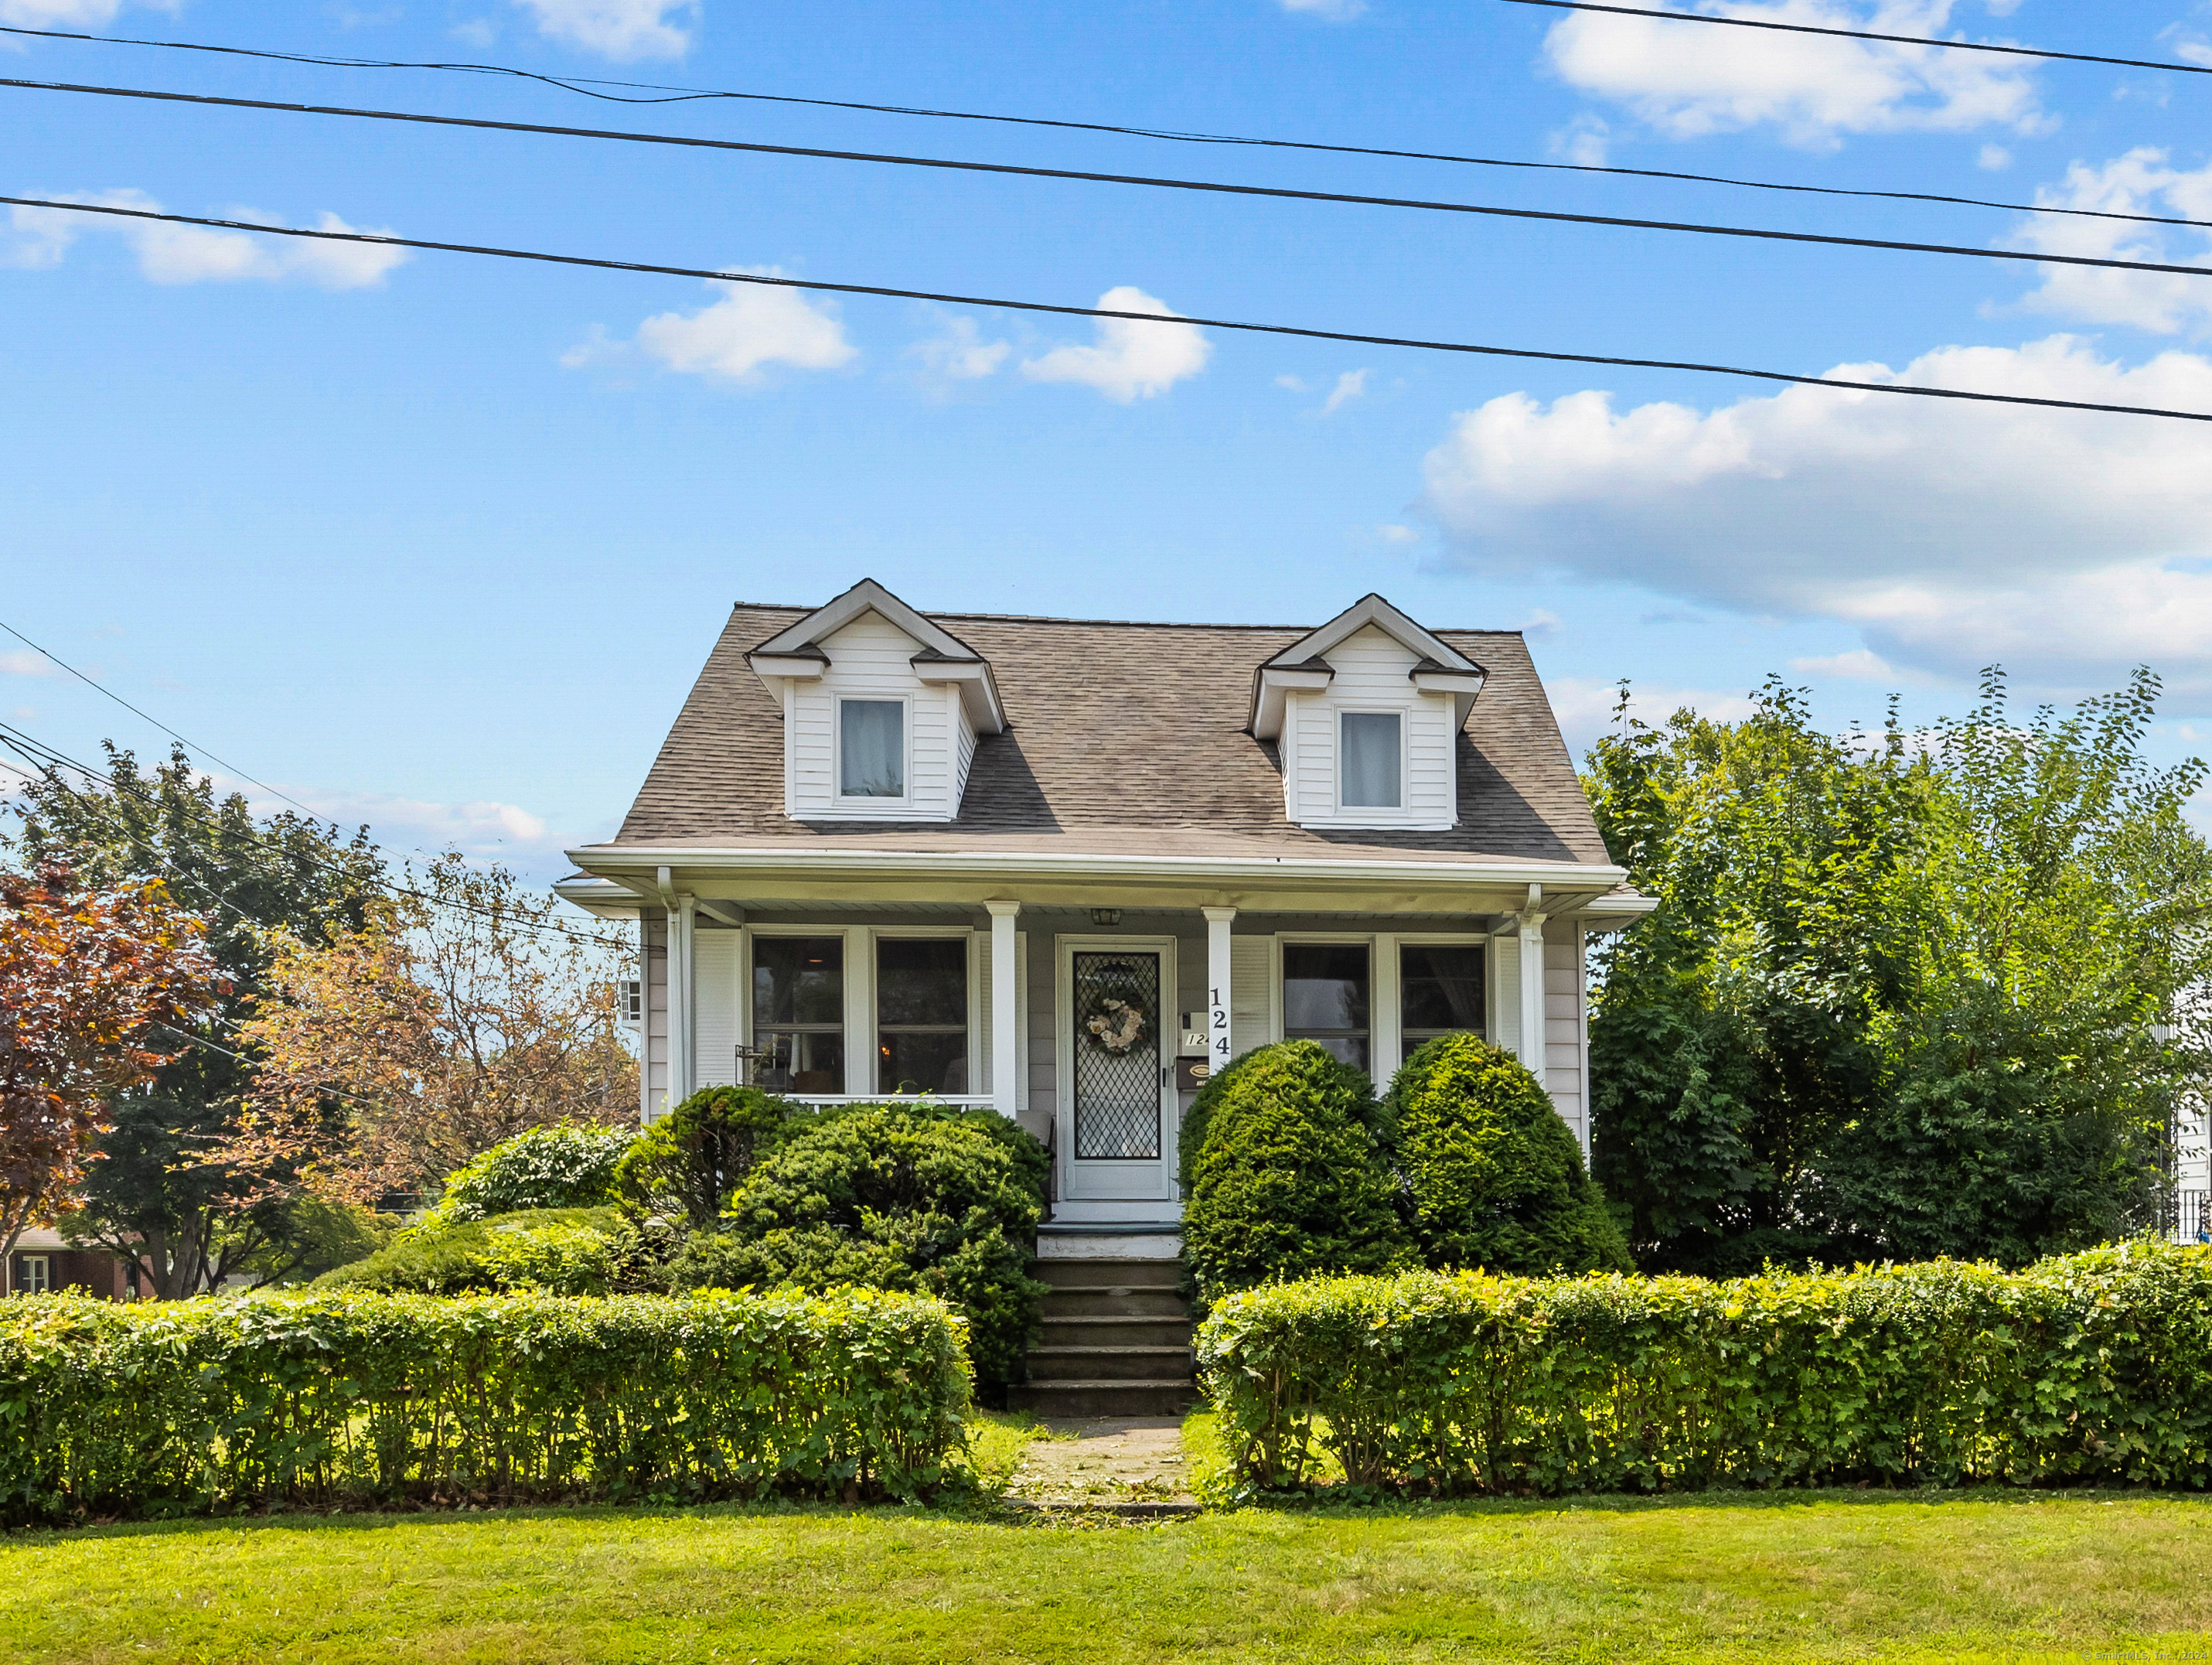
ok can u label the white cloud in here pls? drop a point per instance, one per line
(1859, 665)
(2069, 544)
(1130, 361)
(22, 662)
(1688, 82)
(1993, 159)
(1396, 534)
(66, 14)
(484, 829)
(735, 339)
(1333, 11)
(2140, 182)
(958, 352)
(1586, 705)
(1349, 387)
(616, 28)
(200, 254)
(1587, 142)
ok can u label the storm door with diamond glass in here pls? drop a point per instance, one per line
(1116, 1133)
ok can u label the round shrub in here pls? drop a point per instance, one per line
(897, 1197)
(689, 1162)
(570, 1166)
(1287, 1182)
(563, 1251)
(1493, 1177)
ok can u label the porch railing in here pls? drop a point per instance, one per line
(2192, 1217)
(959, 1101)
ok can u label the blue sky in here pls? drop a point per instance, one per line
(439, 543)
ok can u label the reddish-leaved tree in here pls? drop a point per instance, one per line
(88, 978)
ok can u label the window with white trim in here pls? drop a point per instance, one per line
(1325, 998)
(871, 748)
(799, 1014)
(34, 1275)
(922, 1015)
(1370, 760)
(1440, 991)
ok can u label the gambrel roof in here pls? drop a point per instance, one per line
(1121, 739)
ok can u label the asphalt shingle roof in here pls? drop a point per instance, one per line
(1124, 739)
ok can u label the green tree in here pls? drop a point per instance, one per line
(158, 1192)
(1493, 1177)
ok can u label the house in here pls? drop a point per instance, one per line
(45, 1262)
(1062, 867)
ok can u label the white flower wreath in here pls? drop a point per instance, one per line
(1113, 1024)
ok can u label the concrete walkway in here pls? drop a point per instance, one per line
(1119, 1465)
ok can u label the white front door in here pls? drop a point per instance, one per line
(1117, 1121)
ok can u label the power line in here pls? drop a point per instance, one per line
(1148, 181)
(586, 85)
(156, 721)
(1297, 332)
(1866, 35)
(48, 761)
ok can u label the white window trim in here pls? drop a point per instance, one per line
(854, 941)
(838, 796)
(1306, 938)
(46, 1277)
(1395, 811)
(1450, 939)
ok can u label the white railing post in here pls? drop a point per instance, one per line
(1006, 1033)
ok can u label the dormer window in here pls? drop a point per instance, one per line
(1371, 753)
(871, 748)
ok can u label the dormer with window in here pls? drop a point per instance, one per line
(1365, 713)
(882, 710)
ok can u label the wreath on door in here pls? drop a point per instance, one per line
(1114, 1025)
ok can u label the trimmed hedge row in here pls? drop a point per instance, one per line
(357, 1398)
(2095, 1368)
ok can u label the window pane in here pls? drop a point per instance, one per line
(800, 1062)
(922, 982)
(1441, 984)
(930, 1061)
(871, 749)
(798, 979)
(1369, 759)
(1352, 1048)
(1324, 986)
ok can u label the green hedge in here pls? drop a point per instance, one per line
(560, 1251)
(2094, 1368)
(352, 1399)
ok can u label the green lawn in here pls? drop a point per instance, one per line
(1834, 1576)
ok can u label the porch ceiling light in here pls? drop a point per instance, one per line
(1105, 915)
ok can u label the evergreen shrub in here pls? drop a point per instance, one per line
(561, 1251)
(901, 1196)
(687, 1164)
(352, 1398)
(1288, 1180)
(2093, 1369)
(1492, 1176)
(569, 1166)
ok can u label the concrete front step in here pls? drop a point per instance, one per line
(1169, 1329)
(1109, 1274)
(1050, 1363)
(1166, 1396)
(1113, 1302)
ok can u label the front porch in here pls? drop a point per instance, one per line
(1091, 1008)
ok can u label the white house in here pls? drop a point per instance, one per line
(1058, 866)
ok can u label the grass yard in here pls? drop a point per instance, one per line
(1819, 1577)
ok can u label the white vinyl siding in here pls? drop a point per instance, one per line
(1374, 673)
(979, 1013)
(1564, 1041)
(964, 737)
(1504, 996)
(1251, 994)
(715, 955)
(655, 1061)
(871, 659)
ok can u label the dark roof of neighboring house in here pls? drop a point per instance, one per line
(1124, 739)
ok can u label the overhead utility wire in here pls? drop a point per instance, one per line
(1866, 35)
(1148, 181)
(49, 760)
(1297, 332)
(691, 95)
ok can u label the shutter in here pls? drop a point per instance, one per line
(1021, 1021)
(1251, 992)
(1505, 994)
(715, 953)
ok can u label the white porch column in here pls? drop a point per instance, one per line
(1219, 986)
(682, 1002)
(1531, 922)
(1005, 1009)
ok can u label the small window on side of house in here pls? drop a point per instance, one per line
(871, 748)
(1369, 765)
(33, 1274)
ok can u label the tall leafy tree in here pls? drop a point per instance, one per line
(163, 1189)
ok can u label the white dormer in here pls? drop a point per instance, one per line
(882, 710)
(1366, 713)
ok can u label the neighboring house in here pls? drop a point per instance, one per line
(43, 1262)
(1061, 867)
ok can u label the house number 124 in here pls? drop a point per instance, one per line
(1217, 1026)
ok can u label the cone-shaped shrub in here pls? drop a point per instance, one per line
(567, 1166)
(1287, 1182)
(1493, 1176)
